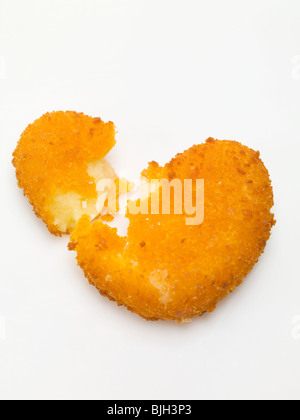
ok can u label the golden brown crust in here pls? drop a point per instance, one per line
(52, 157)
(165, 269)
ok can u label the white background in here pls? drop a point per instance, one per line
(169, 73)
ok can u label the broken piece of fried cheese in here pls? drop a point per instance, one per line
(59, 162)
(167, 269)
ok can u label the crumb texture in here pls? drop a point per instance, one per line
(167, 270)
(58, 161)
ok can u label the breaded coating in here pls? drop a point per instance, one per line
(165, 269)
(59, 161)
